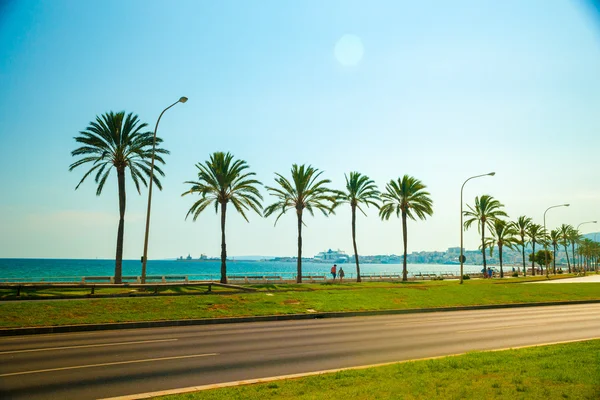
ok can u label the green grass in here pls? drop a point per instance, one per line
(565, 371)
(288, 299)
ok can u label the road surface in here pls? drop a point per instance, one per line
(92, 365)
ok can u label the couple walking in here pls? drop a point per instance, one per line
(334, 272)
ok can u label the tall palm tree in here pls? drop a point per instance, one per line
(555, 237)
(305, 191)
(359, 190)
(503, 234)
(564, 234)
(522, 225)
(486, 211)
(407, 198)
(536, 235)
(586, 251)
(574, 237)
(222, 180)
(116, 140)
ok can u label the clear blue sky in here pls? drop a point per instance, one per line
(443, 91)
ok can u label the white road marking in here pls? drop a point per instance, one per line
(107, 364)
(307, 374)
(86, 346)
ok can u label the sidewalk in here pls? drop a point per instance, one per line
(590, 277)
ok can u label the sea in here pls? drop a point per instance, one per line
(57, 270)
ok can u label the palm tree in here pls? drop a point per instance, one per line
(359, 190)
(536, 235)
(305, 191)
(486, 211)
(554, 239)
(586, 252)
(522, 225)
(116, 140)
(564, 234)
(407, 198)
(222, 180)
(574, 237)
(503, 234)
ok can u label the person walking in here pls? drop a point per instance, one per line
(334, 271)
(341, 274)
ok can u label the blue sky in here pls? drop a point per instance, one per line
(443, 91)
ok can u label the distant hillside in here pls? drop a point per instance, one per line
(591, 236)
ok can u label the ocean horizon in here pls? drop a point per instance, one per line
(34, 269)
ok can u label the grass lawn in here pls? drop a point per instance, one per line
(565, 371)
(288, 299)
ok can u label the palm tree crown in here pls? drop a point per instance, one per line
(360, 190)
(223, 180)
(305, 191)
(406, 197)
(116, 140)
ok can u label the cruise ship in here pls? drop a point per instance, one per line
(332, 256)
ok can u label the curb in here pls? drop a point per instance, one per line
(267, 318)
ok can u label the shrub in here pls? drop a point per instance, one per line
(466, 277)
(515, 275)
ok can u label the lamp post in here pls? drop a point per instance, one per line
(586, 222)
(145, 256)
(545, 241)
(462, 257)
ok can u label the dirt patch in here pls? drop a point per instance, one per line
(216, 307)
(291, 302)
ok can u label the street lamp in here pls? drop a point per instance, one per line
(545, 241)
(586, 222)
(145, 256)
(462, 257)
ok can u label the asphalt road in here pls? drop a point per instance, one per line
(92, 365)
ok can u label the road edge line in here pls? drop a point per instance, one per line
(200, 388)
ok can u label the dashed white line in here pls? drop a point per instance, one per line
(84, 346)
(107, 364)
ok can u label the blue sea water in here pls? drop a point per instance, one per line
(73, 269)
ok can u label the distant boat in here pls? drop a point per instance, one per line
(332, 256)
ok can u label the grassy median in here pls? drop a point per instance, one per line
(288, 299)
(564, 371)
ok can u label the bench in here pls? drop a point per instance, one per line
(314, 278)
(381, 277)
(255, 278)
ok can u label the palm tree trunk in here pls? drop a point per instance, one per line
(223, 244)
(554, 260)
(573, 247)
(404, 240)
(354, 242)
(483, 248)
(299, 264)
(121, 229)
(568, 263)
(500, 253)
(523, 250)
(533, 259)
